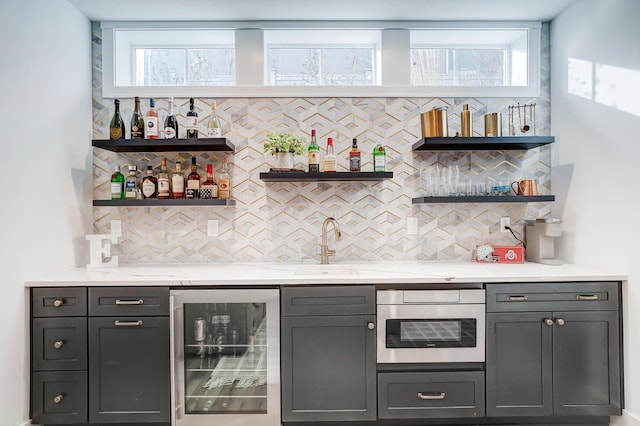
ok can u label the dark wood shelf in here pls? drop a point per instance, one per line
(501, 143)
(165, 145)
(324, 176)
(156, 202)
(485, 199)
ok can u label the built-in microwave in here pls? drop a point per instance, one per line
(430, 326)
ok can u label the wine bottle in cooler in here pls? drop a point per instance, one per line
(137, 122)
(171, 123)
(116, 127)
(192, 121)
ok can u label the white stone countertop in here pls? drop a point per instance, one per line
(277, 274)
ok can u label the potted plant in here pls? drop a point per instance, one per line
(284, 146)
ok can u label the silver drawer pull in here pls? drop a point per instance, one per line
(57, 303)
(58, 398)
(517, 298)
(127, 323)
(58, 344)
(587, 297)
(129, 302)
(433, 395)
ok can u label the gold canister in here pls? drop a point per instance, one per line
(466, 123)
(493, 124)
(435, 123)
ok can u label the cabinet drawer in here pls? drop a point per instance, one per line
(575, 296)
(128, 301)
(59, 343)
(58, 302)
(328, 300)
(431, 394)
(59, 397)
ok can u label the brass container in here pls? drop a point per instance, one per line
(466, 123)
(493, 124)
(435, 123)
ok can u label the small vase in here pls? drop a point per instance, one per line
(284, 160)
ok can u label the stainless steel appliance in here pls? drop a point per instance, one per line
(225, 357)
(431, 326)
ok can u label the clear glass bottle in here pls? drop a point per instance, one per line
(209, 188)
(224, 181)
(193, 181)
(117, 184)
(163, 180)
(151, 121)
(177, 182)
(116, 127)
(192, 121)
(213, 128)
(329, 162)
(313, 154)
(137, 122)
(171, 123)
(149, 185)
(132, 184)
(379, 158)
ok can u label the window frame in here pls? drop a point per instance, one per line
(394, 62)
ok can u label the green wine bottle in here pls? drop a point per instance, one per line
(137, 122)
(314, 154)
(116, 128)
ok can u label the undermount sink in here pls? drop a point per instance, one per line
(331, 269)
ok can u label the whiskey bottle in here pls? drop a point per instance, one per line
(137, 122)
(117, 184)
(151, 121)
(116, 127)
(224, 181)
(209, 188)
(313, 154)
(163, 180)
(329, 162)
(354, 157)
(192, 121)
(177, 182)
(193, 181)
(131, 184)
(149, 185)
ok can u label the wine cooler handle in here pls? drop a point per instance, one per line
(127, 323)
(129, 302)
(435, 395)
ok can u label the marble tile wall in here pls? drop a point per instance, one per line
(282, 221)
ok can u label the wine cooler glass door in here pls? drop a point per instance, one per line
(225, 356)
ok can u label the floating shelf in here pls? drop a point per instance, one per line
(484, 199)
(323, 176)
(482, 143)
(156, 202)
(165, 145)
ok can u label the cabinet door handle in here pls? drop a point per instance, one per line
(432, 395)
(587, 297)
(58, 398)
(127, 323)
(371, 326)
(548, 321)
(517, 298)
(57, 303)
(129, 302)
(559, 321)
(58, 344)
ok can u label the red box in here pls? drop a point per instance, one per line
(501, 254)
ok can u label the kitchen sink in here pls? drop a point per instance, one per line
(331, 269)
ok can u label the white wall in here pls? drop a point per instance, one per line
(45, 122)
(595, 116)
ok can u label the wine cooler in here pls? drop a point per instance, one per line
(225, 350)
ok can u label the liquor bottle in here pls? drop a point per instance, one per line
(314, 154)
(171, 123)
(149, 185)
(209, 188)
(193, 181)
(192, 121)
(379, 158)
(213, 128)
(163, 180)
(224, 181)
(329, 162)
(354, 157)
(131, 184)
(116, 128)
(137, 122)
(117, 184)
(151, 121)
(177, 182)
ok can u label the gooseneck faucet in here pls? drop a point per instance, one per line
(324, 249)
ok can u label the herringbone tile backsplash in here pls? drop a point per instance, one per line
(282, 221)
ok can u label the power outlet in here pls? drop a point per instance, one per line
(505, 222)
(212, 228)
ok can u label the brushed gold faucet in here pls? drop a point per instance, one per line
(324, 249)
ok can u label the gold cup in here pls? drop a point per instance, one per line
(493, 124)
(434, 123)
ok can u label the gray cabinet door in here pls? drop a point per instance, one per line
(586, 363)
(328, 368)
(129, 372)
(519, 364)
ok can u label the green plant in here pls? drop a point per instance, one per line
(284, 142)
